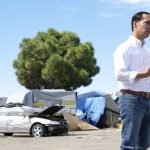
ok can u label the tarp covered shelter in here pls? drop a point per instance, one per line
(97, 108)
(3, 101)
(52, 97)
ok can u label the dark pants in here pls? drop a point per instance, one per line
(135, 116)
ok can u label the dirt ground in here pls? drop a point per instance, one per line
(103, 139)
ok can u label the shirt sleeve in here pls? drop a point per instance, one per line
(121, 63)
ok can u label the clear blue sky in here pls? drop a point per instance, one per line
(105, 23)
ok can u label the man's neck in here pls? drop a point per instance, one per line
(138, 37)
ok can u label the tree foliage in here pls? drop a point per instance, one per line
(55, 60)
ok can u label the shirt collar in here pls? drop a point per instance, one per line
(135, 41)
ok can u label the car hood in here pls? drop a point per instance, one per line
(50, 110)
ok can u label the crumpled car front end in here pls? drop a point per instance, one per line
(58, 129)
(57, 124)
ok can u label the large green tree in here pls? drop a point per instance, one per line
(55, 60)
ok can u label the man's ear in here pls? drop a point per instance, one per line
(134, 24)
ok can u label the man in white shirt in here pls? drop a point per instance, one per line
(132, 71)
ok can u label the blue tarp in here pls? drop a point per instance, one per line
(90, 106)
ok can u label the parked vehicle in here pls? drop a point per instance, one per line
(36, 122)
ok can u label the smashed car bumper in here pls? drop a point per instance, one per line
(58, 129)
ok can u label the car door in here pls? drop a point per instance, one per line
(18, 121)
(4, 116)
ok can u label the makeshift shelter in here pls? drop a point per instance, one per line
(111, 114)
(3, 101)
(44, 98)
(97, 108)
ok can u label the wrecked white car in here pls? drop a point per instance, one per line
(36, 122)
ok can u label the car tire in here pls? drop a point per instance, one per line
(8, 134)
(38, 130)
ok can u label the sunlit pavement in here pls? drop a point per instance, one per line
(103, 139)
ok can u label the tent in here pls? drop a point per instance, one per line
(48, 97)
(2, 101)
(97, 108)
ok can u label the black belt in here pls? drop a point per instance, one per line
(136, 93)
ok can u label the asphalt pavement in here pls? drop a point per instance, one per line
(103, 139)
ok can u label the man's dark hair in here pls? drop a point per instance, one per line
(138, 17)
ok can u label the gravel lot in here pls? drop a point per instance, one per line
(104, 139)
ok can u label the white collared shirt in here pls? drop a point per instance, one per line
(130, 58)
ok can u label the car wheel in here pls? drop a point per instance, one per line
(8, 134)
(38, 130)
